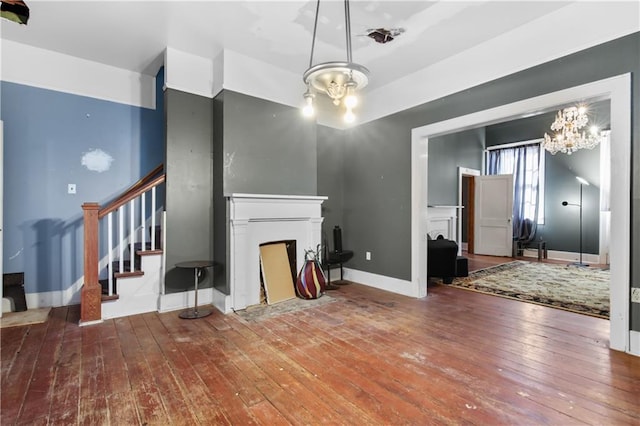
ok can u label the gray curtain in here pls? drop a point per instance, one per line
(523, 162)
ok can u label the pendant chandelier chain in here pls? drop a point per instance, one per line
(347, 21)
(338, 80)
(315, 30)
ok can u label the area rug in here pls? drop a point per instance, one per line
(28, 317)
(262, 311)
(576, 289)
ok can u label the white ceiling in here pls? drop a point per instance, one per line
(133, 34)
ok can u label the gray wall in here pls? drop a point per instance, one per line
(377, 196)
(377, 179)
(189, 185)
(220, 236)
(260, 147)
(447, 153)
(268, 147)
(331, 179)
(562, 223)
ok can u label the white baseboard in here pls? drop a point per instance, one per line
(222, 301)
(564, 255)
(634, 343)
(185, 299)
(70, 296)
(382, 282)
(7, 305)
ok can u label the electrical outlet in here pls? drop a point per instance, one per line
(71, 188)
(367, 255)
(635, 295)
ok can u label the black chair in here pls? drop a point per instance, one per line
(527, 240)
(442, 259)
(336, 257)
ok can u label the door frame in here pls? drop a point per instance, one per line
(618, 90)
(468, 210)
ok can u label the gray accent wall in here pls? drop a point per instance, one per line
(220, 232)
(259, 147)
(331, 180)
(377, 195)
(561, 229)
(189, 187)
(268, 147)
(447, 153)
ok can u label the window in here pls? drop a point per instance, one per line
(525, 161)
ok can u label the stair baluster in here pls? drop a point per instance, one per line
(153, 218)
(143, 215)
(132, 235)
(121, 238)
(110, 253)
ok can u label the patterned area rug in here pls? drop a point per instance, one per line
(582, 290)
(262, 311)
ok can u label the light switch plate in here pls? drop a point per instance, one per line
(71, 188)
(635, 295)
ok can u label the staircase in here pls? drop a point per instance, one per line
(130, 261)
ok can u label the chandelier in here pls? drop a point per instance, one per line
(568, 137)
(339, 80)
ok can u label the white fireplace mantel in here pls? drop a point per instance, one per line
(257, 218)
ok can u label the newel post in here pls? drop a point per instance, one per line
(91, 293)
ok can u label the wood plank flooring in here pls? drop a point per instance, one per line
(368, 358)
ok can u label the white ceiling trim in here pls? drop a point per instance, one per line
(32, 66)
(189, 73)
(540, 41)
(252, 77)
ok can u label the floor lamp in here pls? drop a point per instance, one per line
(565, 203)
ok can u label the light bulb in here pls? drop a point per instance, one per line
(308, 111)
(349, 117)
(594, 130)
(350, 101)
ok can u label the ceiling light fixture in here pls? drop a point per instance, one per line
(568, 137)
(339, 80)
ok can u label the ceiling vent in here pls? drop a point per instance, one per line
(384, 35)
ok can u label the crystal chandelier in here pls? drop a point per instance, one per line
(567, 137)
(339, 80)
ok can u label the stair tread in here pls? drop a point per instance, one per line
(107, 298)
(148, 252)
(128, 274)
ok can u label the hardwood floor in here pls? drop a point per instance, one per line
(369, 357)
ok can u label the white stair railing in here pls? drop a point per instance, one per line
(91, 294)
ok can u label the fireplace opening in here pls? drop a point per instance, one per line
(290, 245)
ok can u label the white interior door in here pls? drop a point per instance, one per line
(493, 230)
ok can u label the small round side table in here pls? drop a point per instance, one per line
(198, 266)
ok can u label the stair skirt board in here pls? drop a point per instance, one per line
(137, 294)
(138, 304)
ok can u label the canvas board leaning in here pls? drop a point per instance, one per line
(276, 273)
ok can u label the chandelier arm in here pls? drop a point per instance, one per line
(347, 21)
(315, 29)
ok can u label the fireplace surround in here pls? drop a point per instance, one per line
(254, 219)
